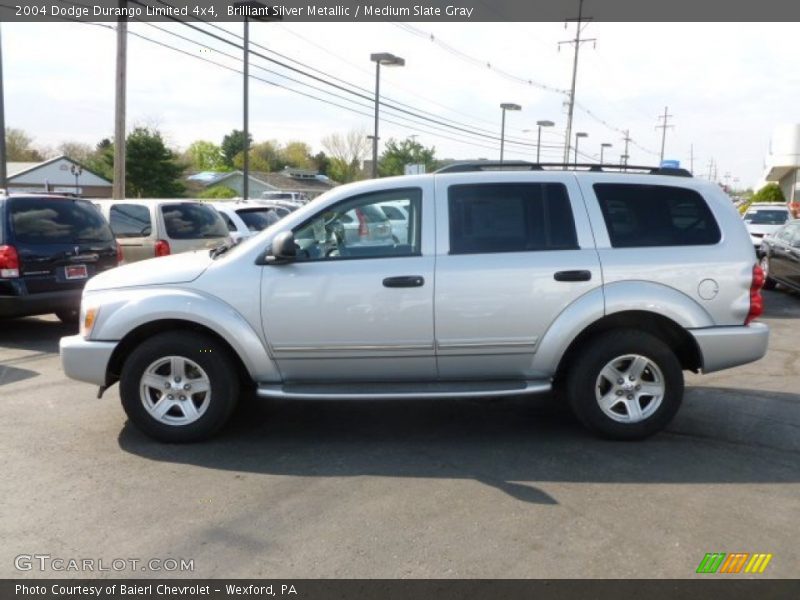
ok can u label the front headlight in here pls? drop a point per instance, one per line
(88, 318)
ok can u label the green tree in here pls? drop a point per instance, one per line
(233, 144)
(152, 169)
(101, 160)
(203, 155)
(406, 152)
(19, 147)
(321, 162)
(265, 156)
(218, 191)
(297, 155)
(769, 193)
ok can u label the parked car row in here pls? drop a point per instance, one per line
(50, 245)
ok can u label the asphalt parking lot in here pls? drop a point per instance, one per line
(512, 488)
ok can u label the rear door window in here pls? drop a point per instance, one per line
(130, 220)
(510, 217)
(57, 221)
(192, 221)
(655, 215)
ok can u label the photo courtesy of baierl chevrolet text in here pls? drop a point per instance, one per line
(352, 300)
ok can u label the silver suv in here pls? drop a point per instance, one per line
(510, 279)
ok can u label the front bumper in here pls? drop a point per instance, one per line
(726, 347)
(85, 360)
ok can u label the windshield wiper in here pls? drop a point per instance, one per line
(220, 250)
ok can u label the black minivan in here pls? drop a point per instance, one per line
(49, 247)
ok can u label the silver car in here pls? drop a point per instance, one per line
(606, 285)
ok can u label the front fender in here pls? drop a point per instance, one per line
(122, 311)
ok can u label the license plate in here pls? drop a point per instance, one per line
(76, 272)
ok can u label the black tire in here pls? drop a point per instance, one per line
(210, 356)
(769, 283)
(584, 372)
(69, 316)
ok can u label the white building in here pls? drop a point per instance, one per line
(783, 162)
(60, 175)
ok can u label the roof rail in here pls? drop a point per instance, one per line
(521, 165)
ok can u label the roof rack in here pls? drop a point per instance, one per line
(521, 165)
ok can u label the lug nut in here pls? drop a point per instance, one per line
(183, 397)
(177, 380)
(170, 397)
(187, 387)
(167, 385)
(620, 381)
(638, 387)
(619, 392)
(630, 396)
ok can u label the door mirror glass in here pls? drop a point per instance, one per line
(283, 250)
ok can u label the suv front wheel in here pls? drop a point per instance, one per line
(179, 386)
(625, 384)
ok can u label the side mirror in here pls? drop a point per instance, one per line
(283, 251)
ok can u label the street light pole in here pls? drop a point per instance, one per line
(389, 60)
(603, 146)
(578, 135)
(539, 136)
(504, 107)
(76, 170)
(262, 13)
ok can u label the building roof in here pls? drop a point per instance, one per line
(16, 170)
(290, 180)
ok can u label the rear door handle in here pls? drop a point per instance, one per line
(572, 275)
(405, 281)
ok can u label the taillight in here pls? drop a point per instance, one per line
(162, 248)
(363, 228)
(756, 301)
(120, 258)
(9, 262)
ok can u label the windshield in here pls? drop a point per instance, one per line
(189, 221)
(767, 217)
(57, 221)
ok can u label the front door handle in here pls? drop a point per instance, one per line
(405, 281)
(572, 275)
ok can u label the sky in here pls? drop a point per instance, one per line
(726, 85)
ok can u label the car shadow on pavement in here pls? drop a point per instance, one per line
(13, 374)
(514, 445)
(35, 334)
(781, 303)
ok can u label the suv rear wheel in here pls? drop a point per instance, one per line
(625, 384)
(179, 386)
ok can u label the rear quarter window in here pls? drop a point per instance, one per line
(655, 215)
(130, 220)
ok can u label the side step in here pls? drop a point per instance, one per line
(402, 390)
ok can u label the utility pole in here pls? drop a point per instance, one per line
(627, 140)
(246, 110)
(3, 157)
(576, 42)
(663, 127)
(710, 167)
(691, 158)
(118, 190)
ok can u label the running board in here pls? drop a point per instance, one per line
(400, 391)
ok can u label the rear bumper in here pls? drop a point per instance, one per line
(85, 360)
(725, 347)
(39, 304)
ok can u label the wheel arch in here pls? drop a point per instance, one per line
(680, 341)
(147, 330)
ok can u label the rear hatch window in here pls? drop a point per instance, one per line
(258, 219)
(188, 221)
(57, 221)
(767, 217)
